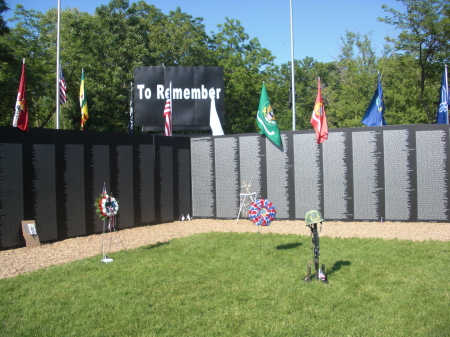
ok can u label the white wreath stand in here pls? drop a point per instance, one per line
(107, 259)
(246, 198)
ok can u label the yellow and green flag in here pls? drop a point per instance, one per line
(83, 102)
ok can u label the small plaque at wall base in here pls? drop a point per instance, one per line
(30, 233)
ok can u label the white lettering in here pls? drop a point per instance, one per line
(177, 93)
(160, 91)
(187, 94)
(195, 93)
(140, 87)
(147, 93)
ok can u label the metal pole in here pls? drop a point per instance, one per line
(446, 92)
(292, 73)
(58, 67)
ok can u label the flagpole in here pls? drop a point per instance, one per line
(446, 92)
(57, 65)
(292, 73)
(171, 109)
(381, 102)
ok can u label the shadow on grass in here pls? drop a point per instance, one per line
(337, 266)
(156, 245)
(289, 245)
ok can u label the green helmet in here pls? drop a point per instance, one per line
(313, 217)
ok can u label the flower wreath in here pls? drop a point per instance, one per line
(106, 206)
(262, 212)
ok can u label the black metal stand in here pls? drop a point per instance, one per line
(320, 272)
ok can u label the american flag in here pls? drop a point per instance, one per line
(62, 87)
(168, 115)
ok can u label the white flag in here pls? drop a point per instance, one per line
(214, 120)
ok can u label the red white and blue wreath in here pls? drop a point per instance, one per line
(262, 212)
(107, 207)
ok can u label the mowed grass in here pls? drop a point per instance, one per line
(234, 284)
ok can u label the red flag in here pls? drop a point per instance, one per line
(168, 115)
(319, 119)
(20, 119)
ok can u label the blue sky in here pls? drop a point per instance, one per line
(318, 25)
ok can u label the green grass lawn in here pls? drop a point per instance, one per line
(231, 284)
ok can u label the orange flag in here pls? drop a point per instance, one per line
(319, 119)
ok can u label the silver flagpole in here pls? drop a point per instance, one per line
(58, 67)
(446, 92)
(292, 74)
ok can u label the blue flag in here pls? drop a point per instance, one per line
(375, 112)
(442, 114)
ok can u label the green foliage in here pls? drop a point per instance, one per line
(242, 60)
(237, 284)
(424, 36)
(121, 35)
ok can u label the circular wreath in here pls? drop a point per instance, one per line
(262, 212)
(107, 206)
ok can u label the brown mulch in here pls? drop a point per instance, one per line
(23, 260)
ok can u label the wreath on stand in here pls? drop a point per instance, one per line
(262, 212)
(107, 207)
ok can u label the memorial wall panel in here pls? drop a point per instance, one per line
(307, 174)
(398, 171)
(147, 185)
(277, 162)
(203, 202)
(250, 164)
(366, 180)
(74, 190)
(124, 167)
(338, 204)
(432, 174)
(100, 168)
(226, 167)
(11, 195)
(44, 191)
(184, 181)
(166, 182)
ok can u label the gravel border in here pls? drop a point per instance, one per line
(24, 260)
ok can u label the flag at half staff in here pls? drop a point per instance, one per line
(83, 102)
(20, 119)
(374, 115)
(62, 87)
(442, 114)
(318, 118)
(265, 118)
(168, 116)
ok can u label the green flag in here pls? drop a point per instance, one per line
(265, 118)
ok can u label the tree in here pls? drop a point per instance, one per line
(352, 86)
(122, 41)
(307, 72)
(6, 76)
(24, 41)
(244, 63)
(424, 35)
